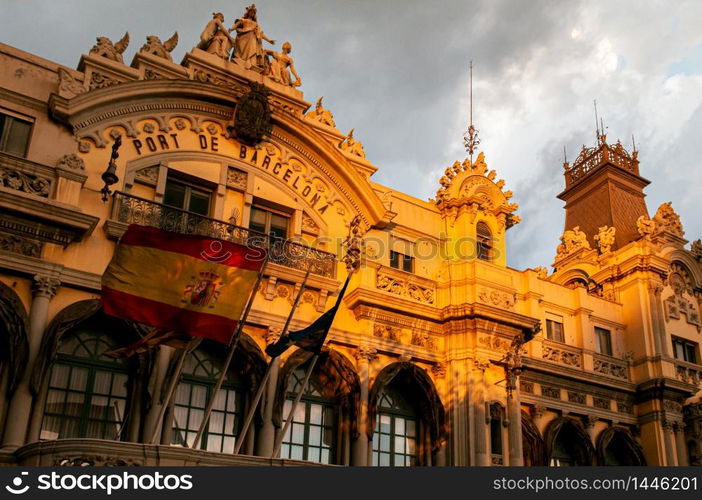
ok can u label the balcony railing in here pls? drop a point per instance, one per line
(131, 209)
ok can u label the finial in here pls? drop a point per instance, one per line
(565, 158)
(633, 144)
(471, 140)
(603, 136)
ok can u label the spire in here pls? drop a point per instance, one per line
(471, 140)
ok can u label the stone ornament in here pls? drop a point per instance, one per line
(572, 240)
(541, 272)
(215, 38)
(71, 162)
(352, 146)
(154, 46)
(279, 66)
(471, 187)
(248, 49)
(645, 226)
(696, 249)
(667, 220)
(321, 114)
(604, 239)
(366, 353)
(68, 86)
(404, 287)
(252, 116)
(105, 48)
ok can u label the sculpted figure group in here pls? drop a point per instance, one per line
(572, 240)
(247, 45)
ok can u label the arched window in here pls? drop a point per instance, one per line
(87, 395)
(312, 433)
(200, 373)
(483, 241)
(395, 440)
(496, 431)
(569, 444)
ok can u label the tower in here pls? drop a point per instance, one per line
(603, 188)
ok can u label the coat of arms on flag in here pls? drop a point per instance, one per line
(172, 282)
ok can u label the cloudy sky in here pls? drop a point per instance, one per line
(397, 71)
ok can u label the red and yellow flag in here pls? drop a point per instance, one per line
(191, 284)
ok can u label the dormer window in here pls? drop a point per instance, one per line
(483, 241)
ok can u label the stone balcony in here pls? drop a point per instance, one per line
(129, 209)
(99, 452)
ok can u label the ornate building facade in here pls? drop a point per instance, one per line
(431, 359)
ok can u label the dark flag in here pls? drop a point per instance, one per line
(310, 338)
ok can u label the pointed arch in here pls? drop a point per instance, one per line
(616, 446)
(14, 330)
(418, 383)
(533, 446)
(336, 377)
(566, 436)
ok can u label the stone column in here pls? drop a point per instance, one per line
(439, 371)
(480, 427)
(43, 289)
(361, 450)
(662, 344)
(669, 441)
(590, 422)
(266, 437)
(514, 414)
(679, 429)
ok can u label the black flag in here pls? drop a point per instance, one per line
(310, 338)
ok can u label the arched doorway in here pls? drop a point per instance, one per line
(617, 446)
(568, 444)
(407, 418)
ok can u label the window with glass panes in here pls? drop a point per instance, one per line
(603, 339)
(395, 436)
(685, 350)
(267, 221)
(401, 261)
(200, 374)
(484, 241)
(312, 433)
(87, 393)
(554, 330)
(14, 134)
(187, 196)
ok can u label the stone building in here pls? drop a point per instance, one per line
(430, 360)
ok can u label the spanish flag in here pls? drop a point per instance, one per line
(188, 284)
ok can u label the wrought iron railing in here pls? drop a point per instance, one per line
(591, 158)
(132, 209)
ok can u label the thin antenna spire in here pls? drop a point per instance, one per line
(633, 143)
(597, 124)
(471, 93)
(470, 140)
(565, 157)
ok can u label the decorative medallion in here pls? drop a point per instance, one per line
(252, 116)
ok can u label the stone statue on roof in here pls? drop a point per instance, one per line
(321, 114)
(248, 44)
(280, 65)
(572, 240)
(352, 146)
(154, 46)
(605, 238)
(215, 38)
(105, 48)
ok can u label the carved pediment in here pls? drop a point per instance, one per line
(472, 187)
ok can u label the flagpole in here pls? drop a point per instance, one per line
(233, 342)
(171, 388)
(281, 436)
(262, 385)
